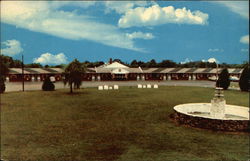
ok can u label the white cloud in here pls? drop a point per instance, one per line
(123, 6)
(12, 47)
(215, 50)
(244, 39)
(156, 15)
(239, 7)
(43, 16)
(48, 58)
(187, 60)
(140, 35)
(212, 60)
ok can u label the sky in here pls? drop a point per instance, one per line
(57, 32)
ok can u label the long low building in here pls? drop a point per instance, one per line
(117, 71)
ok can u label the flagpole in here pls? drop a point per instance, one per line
(22, 73)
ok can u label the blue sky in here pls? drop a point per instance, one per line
(60, 31)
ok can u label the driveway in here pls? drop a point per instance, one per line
(17, 86)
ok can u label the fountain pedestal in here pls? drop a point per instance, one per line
(218, 104)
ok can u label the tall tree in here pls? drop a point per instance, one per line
(152, 63)
(245, 79)
(223, 80)
(73, 73)
(134, 64)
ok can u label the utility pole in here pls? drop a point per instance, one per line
(22, 73)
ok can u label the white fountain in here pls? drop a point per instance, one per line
(218, 103)
(216, 115)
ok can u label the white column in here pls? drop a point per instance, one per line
(143, 77)
(194, 77)
(164, 77)
(138, 77)
(32, 78)
(169, 76)
(98, 78)
(93, 78)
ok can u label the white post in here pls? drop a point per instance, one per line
(164, 77)
(169, 76)
(93, 78)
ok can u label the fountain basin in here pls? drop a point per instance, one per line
(198, 115)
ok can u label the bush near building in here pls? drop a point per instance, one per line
(244, 79)
(48, 85)
(2, 85)
(223, 80)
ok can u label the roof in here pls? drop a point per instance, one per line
(113, 65)
(36, 70)
(129, 70)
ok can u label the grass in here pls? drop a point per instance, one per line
(124, 125)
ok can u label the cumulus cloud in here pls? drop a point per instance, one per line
(215, 50)
(12, 47)
(45, 17)
(212, 60)
(156, 15)
(140, 35)
(239, 7)
(244, 39)
(48, 58)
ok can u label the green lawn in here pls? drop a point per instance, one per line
(126, 125)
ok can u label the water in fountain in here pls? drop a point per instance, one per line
(218, 104)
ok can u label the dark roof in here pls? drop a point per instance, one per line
(158, 70)
(31, 71)
(13, 71)
(50, 70)
(175, 70)
(207, 70)
(191, 70)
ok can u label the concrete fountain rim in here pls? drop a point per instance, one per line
(236, 110)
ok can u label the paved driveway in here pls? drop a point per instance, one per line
(17, 86)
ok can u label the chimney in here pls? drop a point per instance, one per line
(110, 61)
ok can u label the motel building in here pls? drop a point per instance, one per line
(114, 71)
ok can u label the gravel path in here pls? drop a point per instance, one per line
(17, 86)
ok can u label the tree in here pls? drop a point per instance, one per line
(48, 85)
(223, 80)
(2, 85)
(152, 63)
(244, 79)
(33, 65)
(3, 71)
(73, 73)
(134, 64)
(167, 64)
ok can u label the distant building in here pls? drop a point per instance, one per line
(117, 71)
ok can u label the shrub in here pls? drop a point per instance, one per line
(2, 84)
(244, 79)
(48, 85)
(223, 80)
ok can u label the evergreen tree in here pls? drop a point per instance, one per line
(223, 80)
(244, 79)
(48, 85)
(2, 85)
